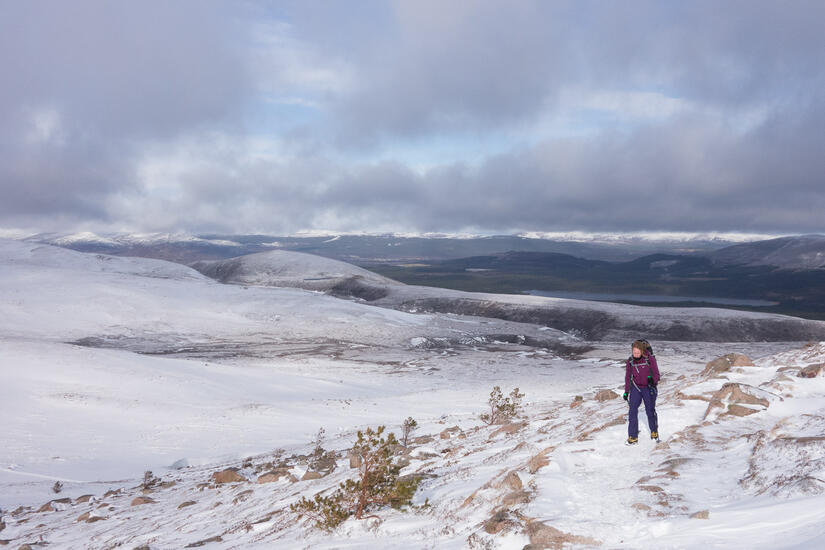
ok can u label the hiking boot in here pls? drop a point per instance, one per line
(654, 435)
(632, 440)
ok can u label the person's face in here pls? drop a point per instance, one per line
(637, 353)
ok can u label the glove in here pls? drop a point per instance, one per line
(624, 396)
(650, 381)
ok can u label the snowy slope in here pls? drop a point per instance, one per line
(562, 474)
(110, 369)
(281, 268)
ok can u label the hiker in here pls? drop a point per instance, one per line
(640, 380)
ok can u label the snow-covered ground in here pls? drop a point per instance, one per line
(114, 366)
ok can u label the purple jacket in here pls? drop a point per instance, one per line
(639, 369)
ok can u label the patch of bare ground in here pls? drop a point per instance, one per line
(543, 536)
(615, 421)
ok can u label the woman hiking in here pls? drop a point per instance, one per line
(640, 380)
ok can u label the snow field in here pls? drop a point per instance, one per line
(244, 377)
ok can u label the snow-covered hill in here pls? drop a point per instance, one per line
(802, 252)
(280, 268)
(111, 367)
(587, 319)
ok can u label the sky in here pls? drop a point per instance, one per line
(412, 116)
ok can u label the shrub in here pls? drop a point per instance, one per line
(149, 480)
(321, 460)
(57, 487)
(378, 485)
(502, 409)
(408, 427)
(318, 443)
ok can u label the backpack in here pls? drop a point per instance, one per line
(649, 347)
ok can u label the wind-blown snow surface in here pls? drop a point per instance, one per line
(114, 366)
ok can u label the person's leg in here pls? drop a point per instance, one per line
(649, 397)
(634, 399)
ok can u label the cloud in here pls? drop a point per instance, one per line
(412, 116)
(86, 83)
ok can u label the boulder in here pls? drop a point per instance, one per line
(606, 395)
(448, 432)
(327, 463)
(89, 518)
(741, 410)
(508, 429)
(185, 504)
(512, 481)
(734, 399)
(142, 500)
(275, 475)
(84, 498)
(54, 505)
(204, 542)
(725, 363)
(499, 522)
(227, 476)
(702, 514)
(543, 536)
(310, 475)
(812, 371)
(514, 498)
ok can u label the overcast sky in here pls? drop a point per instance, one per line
(412, 116)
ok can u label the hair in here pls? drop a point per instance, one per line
(641, 346)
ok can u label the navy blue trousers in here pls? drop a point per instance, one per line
(648, 395)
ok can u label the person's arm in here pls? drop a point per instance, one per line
(627, 376)
(654, 370)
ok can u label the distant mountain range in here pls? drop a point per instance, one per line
(800, 252)
(393, 248)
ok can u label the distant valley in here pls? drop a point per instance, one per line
(742, 279)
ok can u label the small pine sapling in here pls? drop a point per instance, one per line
(318, 443)
(502, 409)
(408, 427)
(149, 480)
(378, 485)
(57, 487)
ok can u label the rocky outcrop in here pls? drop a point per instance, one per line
(738, 400)
(544, 536)
(812, 371)
(606, 395)
(500, 521)
(275, 475)
(227, 476)
(725, 363)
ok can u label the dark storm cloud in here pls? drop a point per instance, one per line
(84, 83)
(470, 66)
(605, 116)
